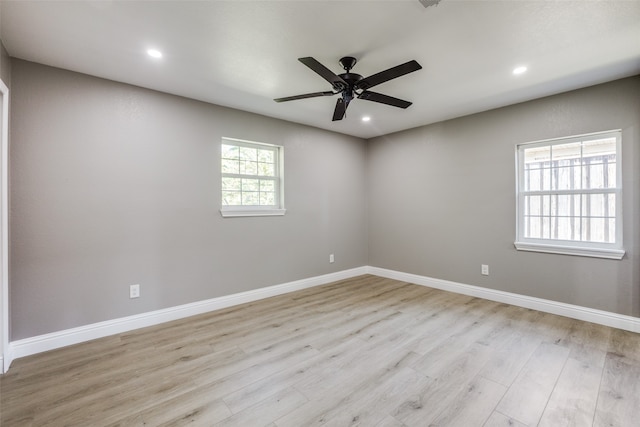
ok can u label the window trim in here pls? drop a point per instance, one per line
(251, 211)
(570, 247)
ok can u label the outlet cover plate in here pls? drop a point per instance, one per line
(134, 291)
(485, 270)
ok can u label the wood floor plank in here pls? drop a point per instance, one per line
(444, 382)
(331, 396)
(310, 368)
(473, 405)
(500, 420)
(194, 409)
(365, 351)
(389, 421)
(619, 398)
(625, 344)
(266, 411)
(509, 357)
(528, 395)
(588, 342)
(573, 401)
(366, 406)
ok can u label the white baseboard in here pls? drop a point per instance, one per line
(606, 318)
(6, 358)
(51, 341)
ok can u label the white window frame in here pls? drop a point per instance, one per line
(569, 247)
(248, 211)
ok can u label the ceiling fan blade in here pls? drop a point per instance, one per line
(306, 95)
(341, 109)
(384, 99)
(335, 80)
(386, 75)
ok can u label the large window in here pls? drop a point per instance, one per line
(251, 178)
(570, 196)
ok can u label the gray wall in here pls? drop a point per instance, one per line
(114, 185)
(442, 199)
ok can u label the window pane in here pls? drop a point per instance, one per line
(230, 151)
(533, 180)
(612, 230)
(533, 225)
(231, 184)
(267, 185)
(248, 154)
(611, 175)
(566, 152)
(546, 179)
(267, 199)
(250, 185)
(564, 205)
(248, 168)
(596, 175)
(564, 228)
(611, 212)
(577, 174)
(231, 198)
(266, 156)
(546, 205)
(597, 230)
(535, 156)
(534, 204)
(538, 179)
(597, 207)
(266, 169)
(599, 147)
(567, 178)
(230, 166)
(546, 227)
(250, 199)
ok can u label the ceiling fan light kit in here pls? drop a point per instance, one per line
(351, 85)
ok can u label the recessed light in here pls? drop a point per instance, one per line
(366, 118)
(154, 53)
(519, 70)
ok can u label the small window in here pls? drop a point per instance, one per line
(570, 196)
(251, 178)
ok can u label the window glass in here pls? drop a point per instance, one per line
(251, 175)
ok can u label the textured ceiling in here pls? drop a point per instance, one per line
(242, 54)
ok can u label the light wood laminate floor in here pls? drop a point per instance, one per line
(366, 351)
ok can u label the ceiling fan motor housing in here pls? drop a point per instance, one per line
(348, 62)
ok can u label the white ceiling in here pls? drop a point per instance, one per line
(242, 54)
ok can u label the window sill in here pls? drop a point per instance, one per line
(570, 250)
(231, 213)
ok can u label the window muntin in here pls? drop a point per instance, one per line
(251, 178)
(569, 195)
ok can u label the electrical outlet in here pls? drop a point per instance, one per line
(485, 270)
(134, 291)
(331, 258)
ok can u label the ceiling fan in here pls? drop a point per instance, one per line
(350, 85)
